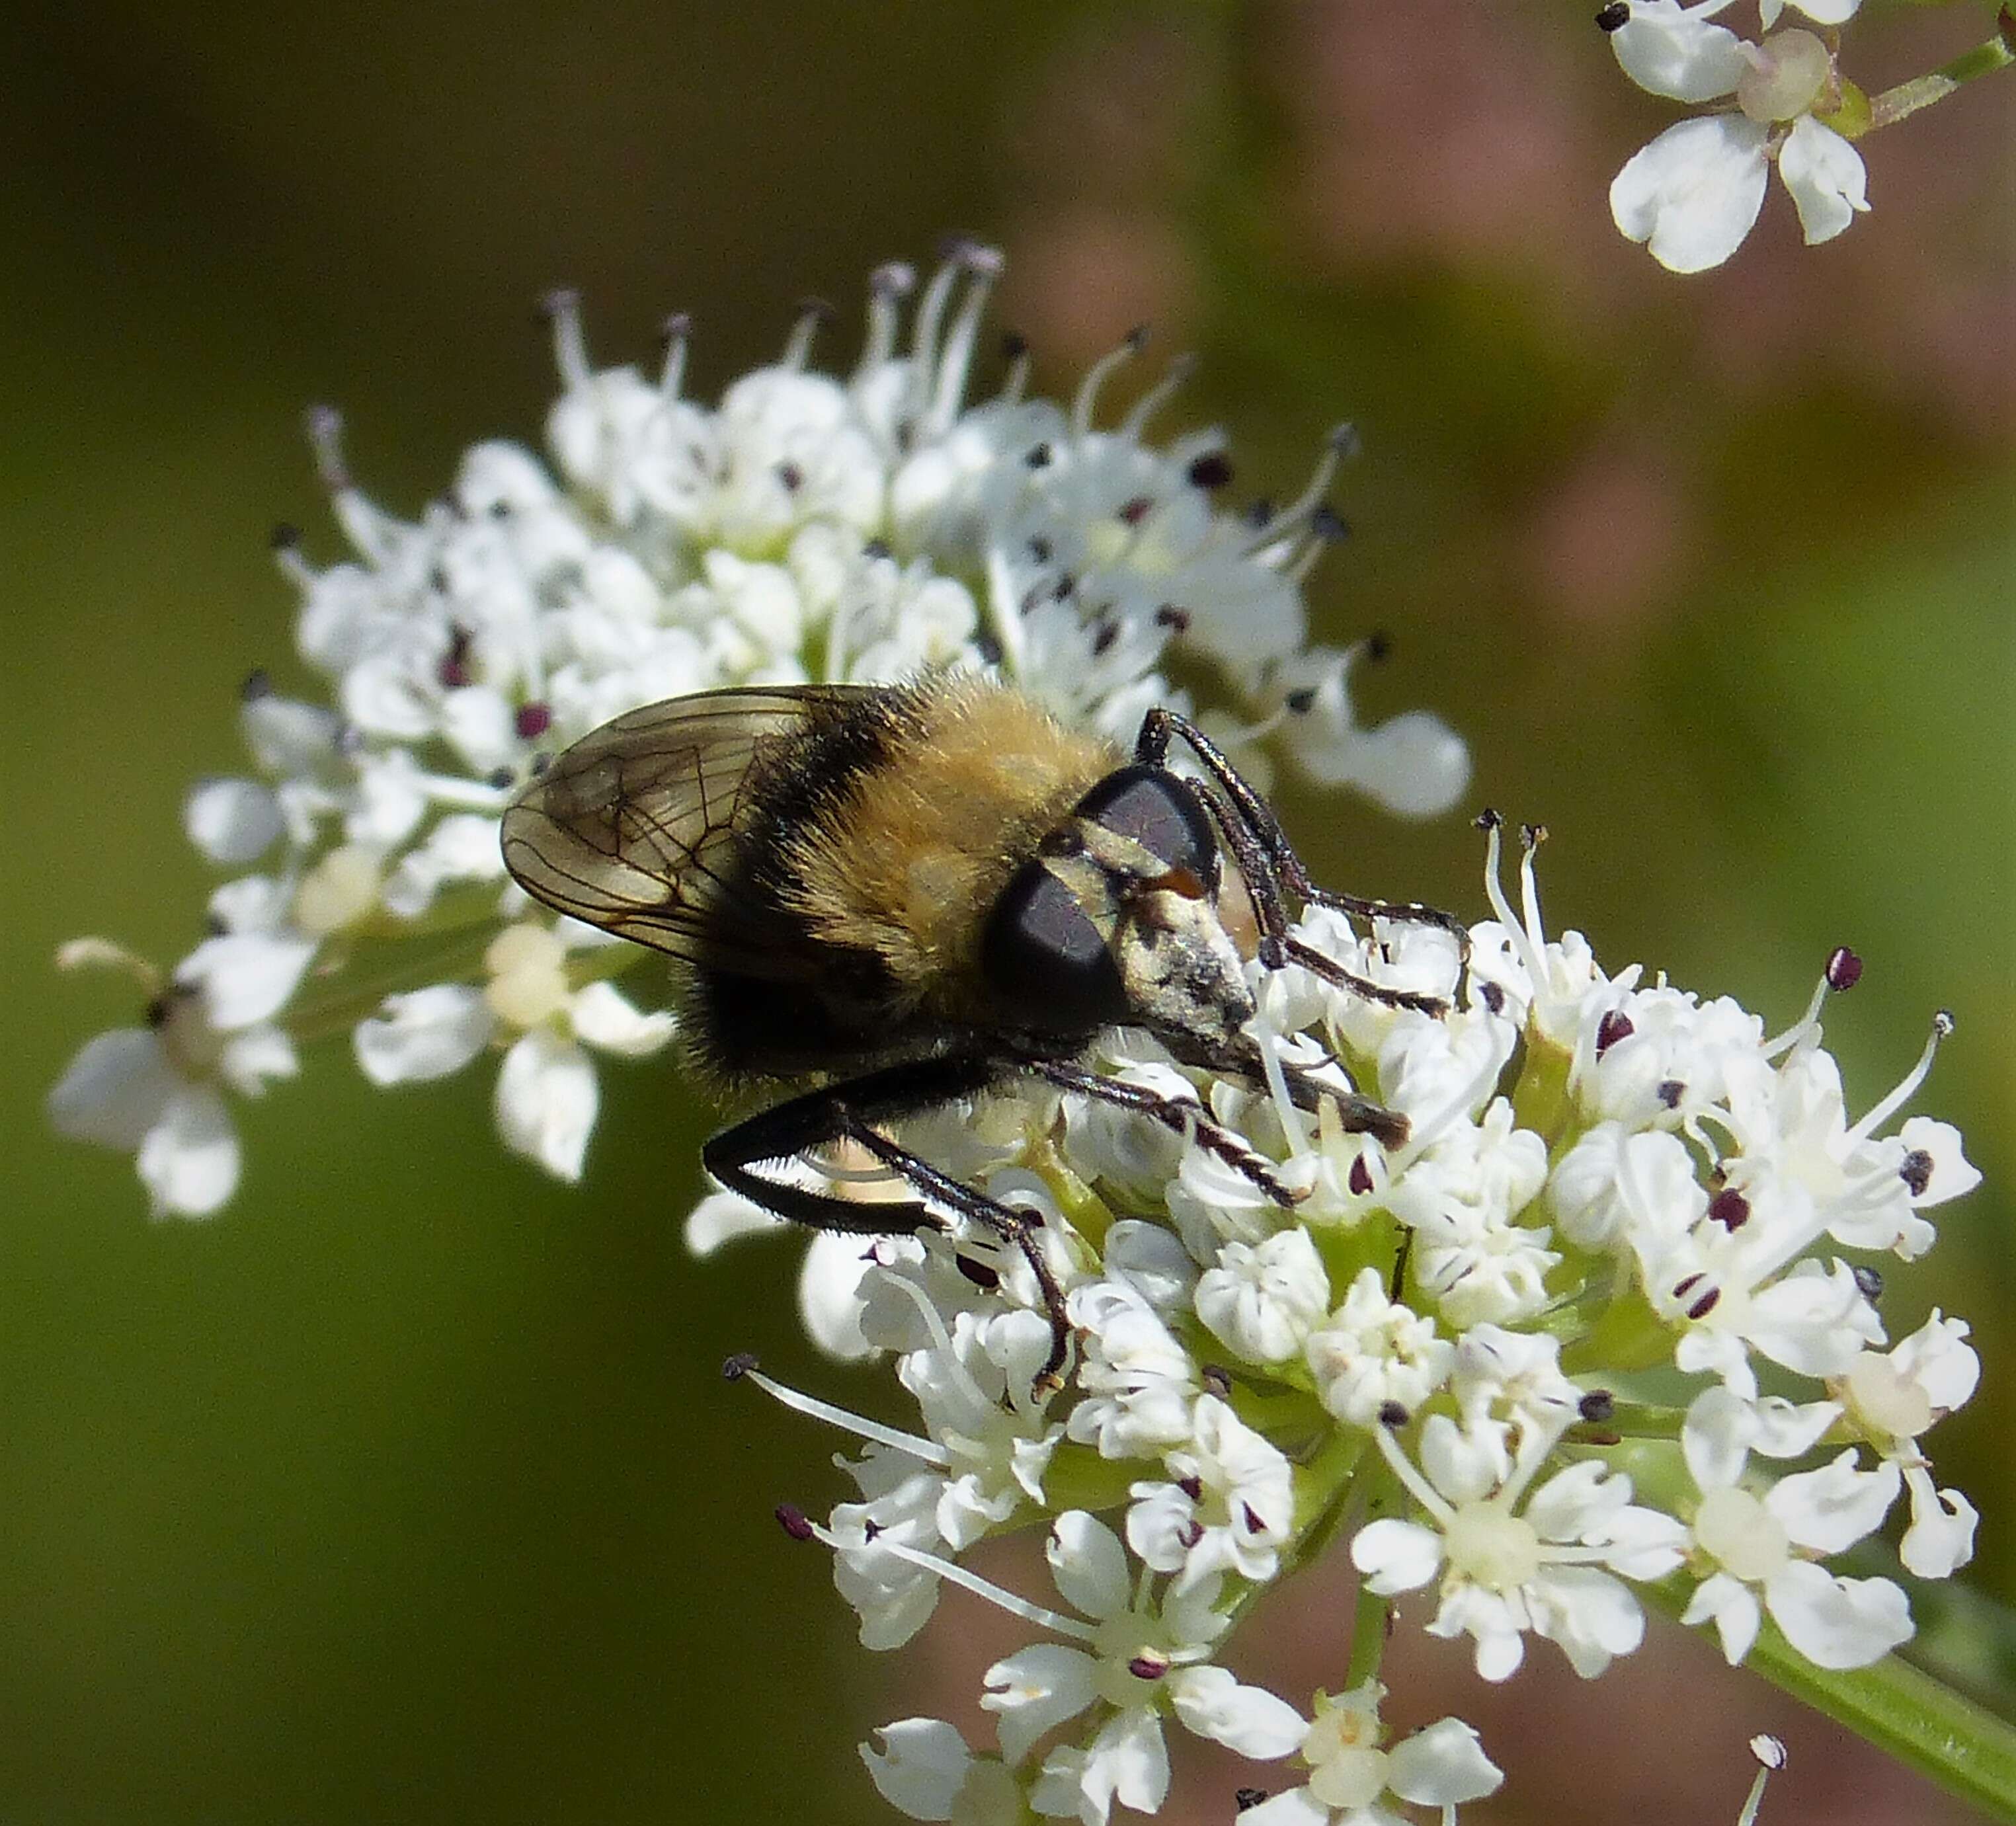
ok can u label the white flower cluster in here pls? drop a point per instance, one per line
(808, 526)
(1592, 1325)
(1695, 193)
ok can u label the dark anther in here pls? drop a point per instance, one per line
(284, 538)
(793, 1522)
(1614, 1026)
(1670, 1091)
(675, 329)
(1378, 646)
(1014, 346)
(1250, 1517)
(556, 302)
(1245, 1799)
(1598, 1404)
(1037, 456)
(1066, 583)
(1260, 513)
(1614, 17)
(1488, 820)
(1192, 1487)
(982, 1274)
(871, 1529)
(988, 647)
(214, 925)
(819, 310)
(1329, 525)
(453, 671)
(1343, 439)
(1134, 511)
(1943, 1023)
(1176, 621)
(1392, 1415)
(258, 683)
(792, 476)
(1915, 1172)
(1359, 1178)
(533, 720)
(1216, 1380)
(540, 763)
(1211, 470)
(1301, 701)
(1041, 551)
(1492, 996)
(1706, 1304)
(1729, 1209)
(738, 1366)
(500, 777)
(1136, 339)
(876, 548)
(1532, 836)
(159, 1007)
(1868, 1282)
(1680, 1287)
(1843, 968)
(1190, 1534)
(1102, 641)
(1147, 1667)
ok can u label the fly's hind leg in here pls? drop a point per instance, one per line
(849, 1112)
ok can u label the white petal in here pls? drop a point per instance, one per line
(1734, 1609)
(254, 1056)
(1211, 1701)
(1940, 1539)
(1036, 1689)
(1716, 1435)
(1396, 1555)
(1414, 764)
(1089, 1563)
(604, 1018)
(722, 1215)
(426, 1033)
(1950, 1173)
(1825, 177)
(1836, 1622)
(1830, 1509)
(1128, 1762)
(546, 1102)
(114, 1089)
(920, 1768)
(245, 976)
(1672, 52)
(1294, 1807)
(830, 1297)
(1695, 193)
(1442, 1766)
(189, 1161)
(1826, 11)
(231, 821)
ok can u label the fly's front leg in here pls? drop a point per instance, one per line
(1235, 805)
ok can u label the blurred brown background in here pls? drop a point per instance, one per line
(406, 1489)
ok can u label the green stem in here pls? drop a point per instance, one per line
(1370, 1614)
(1907, 98)
(1898, 1707)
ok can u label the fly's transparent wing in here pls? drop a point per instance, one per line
(637, 827)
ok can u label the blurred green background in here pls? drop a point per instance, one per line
(406, 1489)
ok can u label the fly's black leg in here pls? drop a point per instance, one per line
(849, 1112)
(1186, 1117)
(1263, 832)
(1358, 1114)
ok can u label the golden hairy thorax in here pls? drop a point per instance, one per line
(914, 856)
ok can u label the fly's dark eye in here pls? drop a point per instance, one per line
(1161, 813)
(1047, 958)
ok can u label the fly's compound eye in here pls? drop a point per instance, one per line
(1047, 958)
(1153, 808)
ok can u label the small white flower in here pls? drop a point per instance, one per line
(1504, 1569)
(924, 1770)
(1228, 1506)
(1142, 1658)
(1442, 1765)
(1373, 1352)
(1753, 1543)
(1262, 1300)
